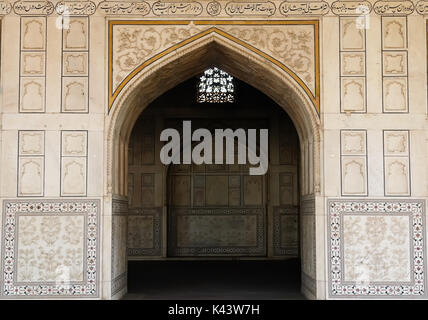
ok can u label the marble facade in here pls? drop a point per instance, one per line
(75, 76)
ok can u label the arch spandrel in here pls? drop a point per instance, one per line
(292, 46)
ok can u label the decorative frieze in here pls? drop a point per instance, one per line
(238, 8)
(186, 8)
(33, 8)
(351, 8)
(5, 8)
(75, 8)
(124, 8)
(422, 7)
(393, 8)
(306, 8)
(173, 8)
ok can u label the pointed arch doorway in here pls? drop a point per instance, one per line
(263, 76)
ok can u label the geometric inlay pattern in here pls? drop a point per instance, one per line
(376, 232)
(72, 222)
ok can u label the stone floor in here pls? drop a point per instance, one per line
(214, 280)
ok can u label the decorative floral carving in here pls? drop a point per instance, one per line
(376, 248)
(291, 45)
(50, 248)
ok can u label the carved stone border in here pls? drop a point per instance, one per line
(337, 208)
(11, 209)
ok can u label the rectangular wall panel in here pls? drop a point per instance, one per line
(74, 158)
(352, 57)
(75, 65)
(394, 65)
(376, 248)
(50, 248)
(31, 163)
(32, 84)
(353, 150)
(396, 162)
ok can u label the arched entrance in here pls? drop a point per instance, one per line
(169, 71)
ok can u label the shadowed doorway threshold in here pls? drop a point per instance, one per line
(214, 280)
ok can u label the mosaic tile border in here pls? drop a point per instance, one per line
(415, 209)
(11, 208)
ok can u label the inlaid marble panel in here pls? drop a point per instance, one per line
(376, 248)
(218, 230)
(50, 248)
(208, 232)
(144, 232)
(140, 232)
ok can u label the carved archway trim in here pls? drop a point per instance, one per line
(315, 98)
